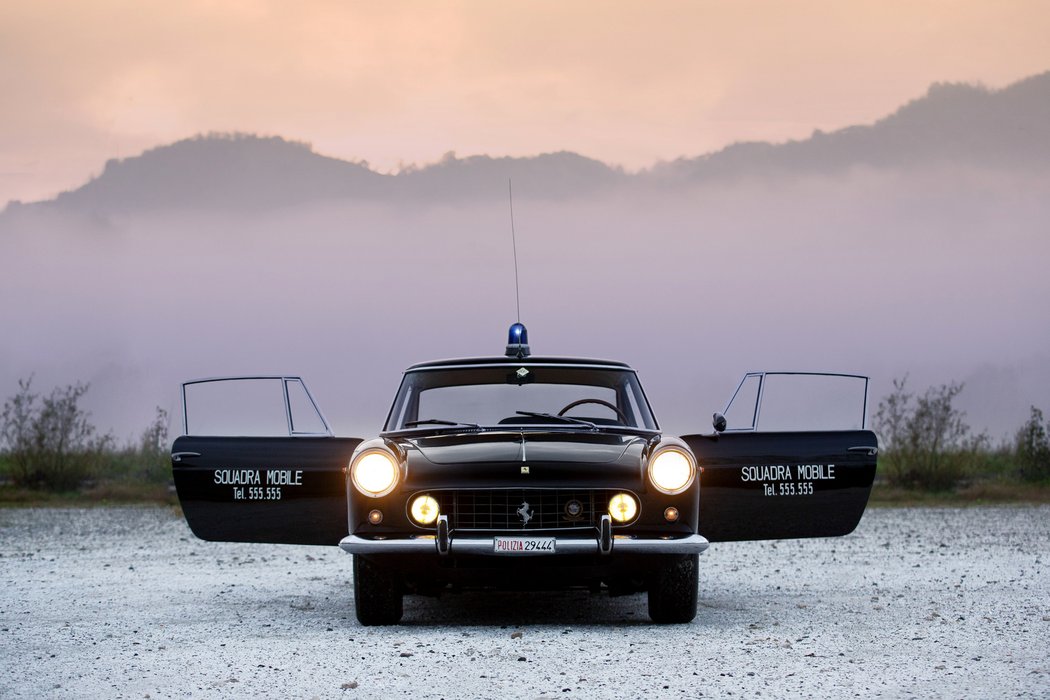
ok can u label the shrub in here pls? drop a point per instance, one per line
(1032, 447)
(926, 440)
(148, 460)
(50, 440)
(154, 450)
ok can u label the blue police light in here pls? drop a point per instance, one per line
(518, 341)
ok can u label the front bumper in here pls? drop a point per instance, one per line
(484, 546)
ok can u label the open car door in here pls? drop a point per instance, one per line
(793, 458)
(258, 463)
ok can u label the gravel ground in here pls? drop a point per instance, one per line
(125, 602)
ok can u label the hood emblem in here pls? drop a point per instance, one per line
(525, 512)
(525, 470)
(522, 373)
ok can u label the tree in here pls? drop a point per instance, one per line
(927, 442)
(16, 432)
(51, 444)
(1032, 447)
(153, 452)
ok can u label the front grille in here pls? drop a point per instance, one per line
(522, 509)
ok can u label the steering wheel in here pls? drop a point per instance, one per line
(619, 413)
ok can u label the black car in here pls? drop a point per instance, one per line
(521, 471)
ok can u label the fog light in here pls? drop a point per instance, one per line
(671, 514)
(424, 510)
(623, 507)
(375, 517)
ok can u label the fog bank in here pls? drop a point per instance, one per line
(935, 273)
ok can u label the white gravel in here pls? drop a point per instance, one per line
(125, 602)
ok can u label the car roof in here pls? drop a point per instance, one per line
(518, 362)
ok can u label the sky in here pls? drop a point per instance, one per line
(401, 83)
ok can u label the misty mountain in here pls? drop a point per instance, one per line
(955, 124)
(233, 172)
(243, 172)
(952, 124)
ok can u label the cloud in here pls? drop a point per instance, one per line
(626, 82)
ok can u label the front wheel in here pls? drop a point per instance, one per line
(673, 589)
(378, 592)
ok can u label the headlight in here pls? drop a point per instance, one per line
(623, 507)
(424, 509)
(671, 471)
(374, 472)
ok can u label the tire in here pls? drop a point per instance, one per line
(673, 589)
(378, 592)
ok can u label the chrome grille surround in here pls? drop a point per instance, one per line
(500, 510)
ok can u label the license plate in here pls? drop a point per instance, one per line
(523, 545)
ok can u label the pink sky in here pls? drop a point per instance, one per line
(405, 82)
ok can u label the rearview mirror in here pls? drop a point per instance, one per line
(719, 422)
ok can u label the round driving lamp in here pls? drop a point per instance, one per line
(623, 507)
(424, 509)
(374, 472)
(671, 471)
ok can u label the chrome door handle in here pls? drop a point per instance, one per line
(870, 451)
(177, 456)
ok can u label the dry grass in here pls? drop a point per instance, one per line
(976, 493)
(101, 494)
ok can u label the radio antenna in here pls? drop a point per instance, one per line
(514, 243)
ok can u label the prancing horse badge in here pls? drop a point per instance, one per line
(524, 470)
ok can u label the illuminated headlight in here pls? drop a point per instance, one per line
(623, 507)
(374, 472)
(424, 509)
(671, 471)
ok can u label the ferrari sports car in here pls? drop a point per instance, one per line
(524, 472)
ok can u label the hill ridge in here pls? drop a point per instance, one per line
(951, 123)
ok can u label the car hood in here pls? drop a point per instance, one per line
(500, 458)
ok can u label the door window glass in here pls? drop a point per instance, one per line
(812, 402)
(236, 408)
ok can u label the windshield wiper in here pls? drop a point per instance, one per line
(438, 421)
(567, 419)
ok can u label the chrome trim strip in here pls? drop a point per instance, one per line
(691, 544)
(443, 540)
(605, 536)
(485, 547)
(622, 544)
(574, 365)
(411, 545)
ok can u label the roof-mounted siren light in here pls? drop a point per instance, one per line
(518, 341)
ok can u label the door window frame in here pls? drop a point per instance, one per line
(753, 428)
(285, 380)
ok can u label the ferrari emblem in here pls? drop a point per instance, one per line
(525, 513)
(524, 470)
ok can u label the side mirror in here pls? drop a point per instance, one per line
(719, 422)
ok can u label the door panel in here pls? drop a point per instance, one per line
(773, 485)
(281, 490)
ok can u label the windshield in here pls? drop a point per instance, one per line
(521, 395)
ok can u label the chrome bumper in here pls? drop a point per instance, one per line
(428, 544)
